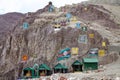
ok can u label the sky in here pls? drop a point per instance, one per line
(25, 6)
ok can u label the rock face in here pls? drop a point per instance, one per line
(95, 13)
(9, 20)
(7, 24)
(41, 44)
(113, 2)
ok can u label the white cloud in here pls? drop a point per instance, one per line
(30, 5)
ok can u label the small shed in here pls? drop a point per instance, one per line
(77, 66)
(28, 72)
(59, 68)
(90, 64)
(44, 70)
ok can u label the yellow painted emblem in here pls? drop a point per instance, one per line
(91, 35)
(101, 53)
(75, 50)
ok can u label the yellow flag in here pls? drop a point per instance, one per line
(75, 50)
(101, 53)
(103, 44)
(91, 35)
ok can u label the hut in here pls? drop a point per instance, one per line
(59, 68)
(90, 64)
(77, 66)
(28, 72)
(44, 70)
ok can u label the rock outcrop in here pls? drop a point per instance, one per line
(41, 43)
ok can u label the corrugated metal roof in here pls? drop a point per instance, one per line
(77, 63)
(28, 68)
(60, 66)
(44, 67)
(90, 60)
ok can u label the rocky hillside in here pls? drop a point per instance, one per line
(111, 2)
(7, 23)
(41, 43)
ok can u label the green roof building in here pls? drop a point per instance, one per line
(44, 70)
(77, 66)
(28, 72)
(90, 63)
(59, 68)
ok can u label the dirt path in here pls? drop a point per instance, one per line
(112, 35)
(115, 11)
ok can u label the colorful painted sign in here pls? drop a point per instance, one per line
(78, 25)
(91, 35)
(25, 25)
(103, 44)
(24, 58)
(93, 52)
(101, 53)
(74, 19)
(64, 54)
(82, 39)
(68, 15)
(84, 28)
(74, 50)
